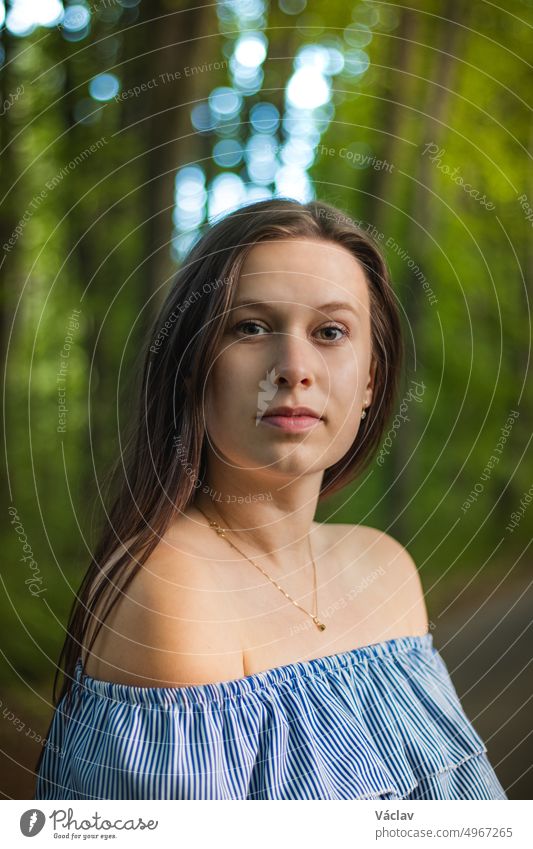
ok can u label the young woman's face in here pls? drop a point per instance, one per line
(292, 346)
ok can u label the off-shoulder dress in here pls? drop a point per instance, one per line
(381, 721)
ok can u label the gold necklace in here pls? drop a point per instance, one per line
(222, 533)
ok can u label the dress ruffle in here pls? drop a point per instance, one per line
(379, 722)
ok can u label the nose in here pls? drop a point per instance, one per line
(294, 361)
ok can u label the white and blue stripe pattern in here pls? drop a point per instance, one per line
(378, 722)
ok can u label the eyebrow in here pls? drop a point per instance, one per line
(331, 306)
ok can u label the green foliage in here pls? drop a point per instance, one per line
(99, 242)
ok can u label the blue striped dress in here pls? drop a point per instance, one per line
(382, 721)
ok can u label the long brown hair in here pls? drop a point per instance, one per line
(153, 485)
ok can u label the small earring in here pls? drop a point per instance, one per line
(363, 414)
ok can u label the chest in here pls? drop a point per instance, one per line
(351, 601)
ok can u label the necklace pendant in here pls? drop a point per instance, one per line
(222, 533)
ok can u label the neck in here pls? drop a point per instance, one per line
(272, 523)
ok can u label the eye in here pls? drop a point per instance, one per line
(342, 330)
(239, 328)
(248, 323)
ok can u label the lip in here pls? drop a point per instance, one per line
(291, 419)
(291, 411)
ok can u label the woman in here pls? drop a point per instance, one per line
(231, 647)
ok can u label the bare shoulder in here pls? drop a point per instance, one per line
(171, 627)
(374, 552)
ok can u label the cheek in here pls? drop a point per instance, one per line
(348, 418)
(217, 392)
(343, 427)
(348, 381)
(230, 386)
(346, 391)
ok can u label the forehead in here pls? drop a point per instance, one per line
(303, 268)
